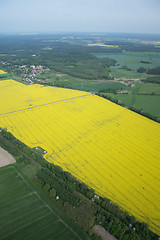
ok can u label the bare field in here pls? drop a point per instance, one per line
(100, 231)
(5, 158)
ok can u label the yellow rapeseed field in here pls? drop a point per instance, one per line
(113, 150)
(2, 72)
(110, 46)
(16, 96)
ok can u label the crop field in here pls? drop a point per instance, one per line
(2, 72)
(80, 84)
(95, 86)
(122, 73)
(133, 59)
(149, 104)
(26, 215)
(18, 96)
(149, 88)
(113, 150)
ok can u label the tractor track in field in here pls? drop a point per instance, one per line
(46, 104)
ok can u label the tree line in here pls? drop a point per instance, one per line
(132, 108)
(153, 71)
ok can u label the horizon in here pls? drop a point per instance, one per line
(66, 16)
(78, 32)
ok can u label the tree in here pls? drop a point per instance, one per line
(52, 193)
(141, 70)
(46, 188)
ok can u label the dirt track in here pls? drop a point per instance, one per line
(46, 104)
(5, 158)
(100, 231)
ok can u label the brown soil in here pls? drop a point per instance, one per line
(37, 164)
(121, 80)
(60, 74)
(125, 83)
(127, 79)
(100, 231)
(5, 158)
(101, 81)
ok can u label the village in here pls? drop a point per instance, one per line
(26, 72)
(29, 73)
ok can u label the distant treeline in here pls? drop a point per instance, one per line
(76, 199)
(20, 44)
(152, 80)
(153, 71)
(134, 47)
(74, 60)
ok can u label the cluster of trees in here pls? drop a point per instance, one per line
(152, 80)
(142, 70)
(53, 182)
(76, 199)
(2, 76)
(153, 71)
(78, 64)
(102, 94)
(145, 62)
(9, 148)
(125, 68)
(108, 90)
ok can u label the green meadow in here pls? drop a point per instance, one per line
(26, 213)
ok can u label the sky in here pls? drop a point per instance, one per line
(38, 16)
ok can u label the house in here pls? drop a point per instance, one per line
(32, 66)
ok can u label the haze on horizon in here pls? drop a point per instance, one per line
(39, 16)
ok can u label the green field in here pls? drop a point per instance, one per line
(145, 88)
(97, 86)
(65, 80)
(149, 88)
(133, 59)
(26, 213)
(122, 73)
(149, 104)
